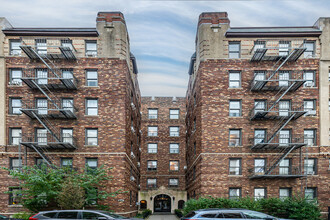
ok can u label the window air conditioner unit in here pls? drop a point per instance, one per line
(132, 104)
(132, 128)
(311, 112)
(140, 149)
(132, 155)
(308, 84)
(310, 172)
(132, 178)
(185, 167)
(14, 83)
(138, 164)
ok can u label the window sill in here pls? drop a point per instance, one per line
(15, 114)
(92, 87)
(235, 117)
(15, 206)
(91, 116)
(15, 86)
(310, 87)
(235, 175)
(91, 145)
(235, 88)
(236, 146)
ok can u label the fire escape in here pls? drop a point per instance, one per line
(46, 80)
(278, 109)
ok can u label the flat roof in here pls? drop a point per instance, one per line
(273, 31)
(86, 32)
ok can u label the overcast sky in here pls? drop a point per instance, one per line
(162, 33)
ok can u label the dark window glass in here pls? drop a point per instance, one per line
(232, 215)
(68, 215)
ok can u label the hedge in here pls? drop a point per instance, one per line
(294, 208)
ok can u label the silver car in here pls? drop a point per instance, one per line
(232, 214)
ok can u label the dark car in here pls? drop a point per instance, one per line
(76, 214)
(227, 214)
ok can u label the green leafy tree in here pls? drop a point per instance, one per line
(42, 187)
(72, 195)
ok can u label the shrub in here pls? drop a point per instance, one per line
(22, 215)
(294, 208)
(178, 213)
(146, 213)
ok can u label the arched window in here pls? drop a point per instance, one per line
(180, 204)
(143, 204)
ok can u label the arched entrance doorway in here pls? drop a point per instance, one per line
(162, 203)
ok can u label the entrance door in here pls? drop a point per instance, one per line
(162, 203)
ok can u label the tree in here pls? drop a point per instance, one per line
(46, 187)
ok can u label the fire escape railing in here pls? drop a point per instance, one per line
(45, 80)
(282, 82)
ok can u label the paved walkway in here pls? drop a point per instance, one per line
(163, 217)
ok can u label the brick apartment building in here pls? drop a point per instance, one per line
(253, 115)
(163, 153)
(254, 122)
(79, 98)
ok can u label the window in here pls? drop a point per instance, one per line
(194, 125)
(152, 183)
(284, 47)
(310, 166)
(40, 162)
(285, 167)
(41, 46)
(15, 77)
(91, 48)
(91, 163)
(173, 182)
(234, 137)
(209, 215)
(259, 136)
(310, 49)
(174, 165)
(67, 104)
(259, 76)
(15, 47)
(152, 148)
(284, 77)
(15, 163)
(15, 195)
(285, 193)
(67, 74)
(42, 106)
(234, 49)
(143, 204)
(174, 113)
(284, 108)
(67, 43)
(310, 79)
(310, 137)
(234, 79)
(259, 45)
(66, 162)
(260, 106)
(152, 113)
(42, 76)
(284, 137)
(235, 108)
(310, 193)
(259, 166)
(15, 106)
(91, 136)
(259, 193)
(235, 193)
(15, 136)
(68, 215)
(67, 135)
(152, 165)
(91, 78)
(174, 131)
(91, 107)
(233, 215)
(41, 134)
(152, 131)
(309, 106)
(235, 167)
(92, 215)
(174, 148)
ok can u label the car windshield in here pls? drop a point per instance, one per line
(113, 215)
(191, 214)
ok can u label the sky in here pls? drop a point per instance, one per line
(162, 33)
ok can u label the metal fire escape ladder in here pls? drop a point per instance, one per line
(278, 130)
(43, 122)
(278, 161)
(42, 155)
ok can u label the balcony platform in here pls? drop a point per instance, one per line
(50, 145)
(277, 176)
(51, 114)
(69, 84)
(66, 53)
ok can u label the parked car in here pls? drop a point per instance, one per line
(76, 214)
(232, 214)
